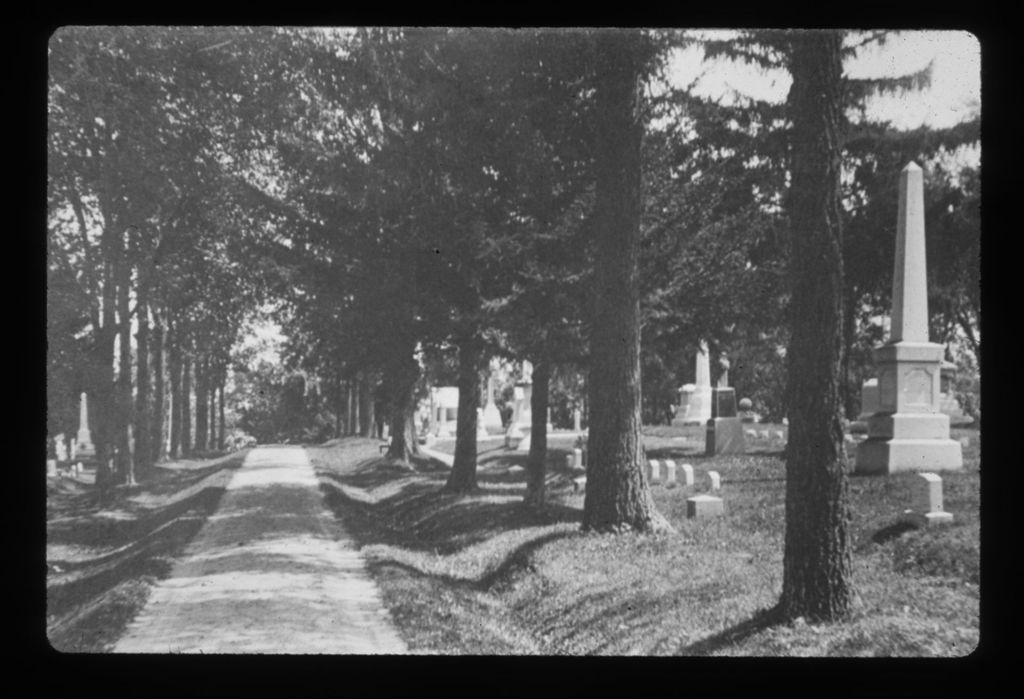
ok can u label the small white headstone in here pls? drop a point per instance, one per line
(715, 481)
(965, 441)
(687, 474)
(579, 484)
(750, 433)
(654, 471)
(704, 506)
(763, 434)
(51, 467)
(670, 473)
(779, 434)
(928, 493)
(848, 438)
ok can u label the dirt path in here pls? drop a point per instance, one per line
(270, 572)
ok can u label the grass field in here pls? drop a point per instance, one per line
(479, 574)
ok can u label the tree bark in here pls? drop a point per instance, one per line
(221, 440)
(143, 410)
(350, 422)
(366, 404)
(212, 391)
(174, 360)
(817, 560)
(157, 447)
(186, 407)
(462, 478)
(536, 463)
(400, 382)
(124, 462)
(617, 494)
(202, 405)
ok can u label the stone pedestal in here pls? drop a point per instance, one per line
(907, 432)
(724, 430)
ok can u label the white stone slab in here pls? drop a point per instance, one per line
(714, 481)
(670, 473)
(653, 471)
(687, 474)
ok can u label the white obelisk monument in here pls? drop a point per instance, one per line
(908, 432)
(695, 398)
(84, 445)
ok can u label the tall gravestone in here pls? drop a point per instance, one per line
(695, 399)
(84, 445)
(908, 431)
(724, 433)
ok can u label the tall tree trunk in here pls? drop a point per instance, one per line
(124, 463)
(356, 400)
(339, 408)
(536, 462)
(157, 445)
(400, 382)
(849, 395)
(202, 405)
(817, 559)
(617, 495)
(366, 404)
(221, 439)
(174, 359)
(462, 478)
(186, 406)
(350, 413)
(143, 410)
(212, 391)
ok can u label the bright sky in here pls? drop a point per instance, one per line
(954, 95)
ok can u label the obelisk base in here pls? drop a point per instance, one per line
(880, 456)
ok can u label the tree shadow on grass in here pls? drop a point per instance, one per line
(421, 517)
(516, 559)
(762, 620)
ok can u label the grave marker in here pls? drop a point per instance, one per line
(670, 473)
(704, 506)
(714, 481)
(928, 498)
(687, 474)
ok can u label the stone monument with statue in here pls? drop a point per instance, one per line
(724, 433)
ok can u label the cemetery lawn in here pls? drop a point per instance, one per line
(478, 574)
(102, 558)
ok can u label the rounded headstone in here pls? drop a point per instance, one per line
(746, 404)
